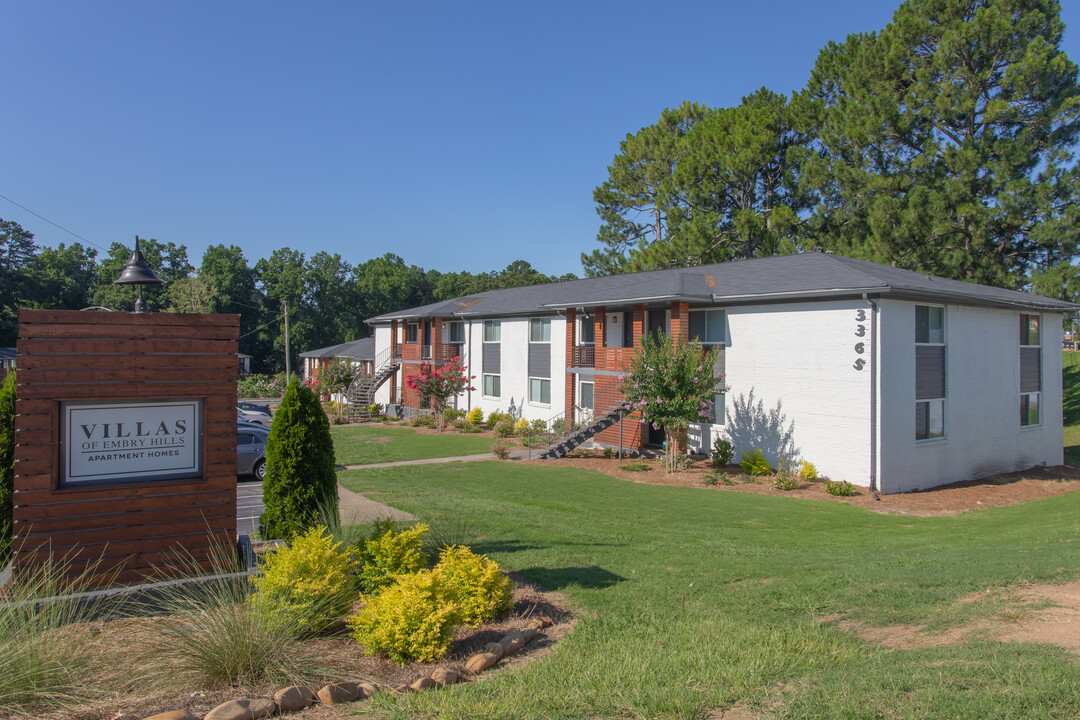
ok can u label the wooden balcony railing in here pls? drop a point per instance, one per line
(448, 352)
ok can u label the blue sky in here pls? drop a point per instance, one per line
(461, 136)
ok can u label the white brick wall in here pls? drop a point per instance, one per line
(983, 435)
(799, 358)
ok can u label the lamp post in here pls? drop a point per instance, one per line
(138, 272)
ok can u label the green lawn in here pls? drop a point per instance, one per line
(367, 444)
(1070, 380)
(689, 599)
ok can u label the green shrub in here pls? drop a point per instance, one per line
(427, 421)
(840, 488)
(715, 478)
(807, 471)
(390, 553)
(635, 466)
(469, 428)
(475, 416)
(261, 386)
(755, 463)
(312, 581)
(505, 426)
(7, 463)
(722, 452)
(413, 619)
(376, 409)
(494, 418)
(482, 591)
(607, 453)
(300, 473)
(786, 481)
(451, 414)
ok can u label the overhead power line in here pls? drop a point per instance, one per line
(73, 234)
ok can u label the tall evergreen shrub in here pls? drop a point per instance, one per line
(300, 476)
(7, 462)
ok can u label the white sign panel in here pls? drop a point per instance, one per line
(128, 441)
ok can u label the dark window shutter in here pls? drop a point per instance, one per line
(492, 358)
(1030, 369)
(929, 372)
(540, 360)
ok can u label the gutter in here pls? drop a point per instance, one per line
(873, 392)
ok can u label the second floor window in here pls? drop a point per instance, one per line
(411, 332)
(540, 330)
(457, 332)
(492, 331)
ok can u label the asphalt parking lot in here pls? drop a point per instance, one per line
(249, 506)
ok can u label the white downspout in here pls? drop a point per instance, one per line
(873, 393)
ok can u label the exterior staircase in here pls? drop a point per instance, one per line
(567, 442)
(362, 391)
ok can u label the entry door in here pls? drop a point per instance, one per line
(657, 323)
(613, 329)
(583, 411)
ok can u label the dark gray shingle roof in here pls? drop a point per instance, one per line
(363, 349)
(805, 276)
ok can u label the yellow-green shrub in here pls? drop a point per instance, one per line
(755, 463)
(310, 584)
(475, 416)
(482, 591)
(807, 471)
(390, 553)
(413, 619)
(522, 427)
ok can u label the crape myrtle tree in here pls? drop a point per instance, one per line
(672, 385)
(336, 377)
(300, 485)
(440, 384)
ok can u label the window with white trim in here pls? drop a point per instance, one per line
(707, 326)
(929, 372)
(457, 332)
(540, 391)
(1030, 370)
(587, 331)
(492, 331)
(492, 386)
(540, 330)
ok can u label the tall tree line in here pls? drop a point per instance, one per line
(328, 298)
(944, 143)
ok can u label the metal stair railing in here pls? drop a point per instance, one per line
(608, 408)
(362, 392)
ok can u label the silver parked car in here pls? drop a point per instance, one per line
(253, 414)
(251, 449)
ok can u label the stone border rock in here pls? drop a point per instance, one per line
(298, 697)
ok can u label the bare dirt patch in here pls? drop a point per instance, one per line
(995, 491)
(340, 657)
(1033, 613)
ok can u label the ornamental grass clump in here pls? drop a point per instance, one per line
(311, 583)
(412, 619)
(390, 553)
(217, 634)
(42, 662)
(482, 591)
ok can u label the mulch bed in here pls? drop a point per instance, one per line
(996, 491)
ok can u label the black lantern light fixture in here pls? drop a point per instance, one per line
(138, 272)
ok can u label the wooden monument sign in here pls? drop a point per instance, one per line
(125, 435)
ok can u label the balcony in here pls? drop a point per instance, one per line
(583, 356)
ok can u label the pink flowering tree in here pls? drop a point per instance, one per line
(672, 385)
(440, 384)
